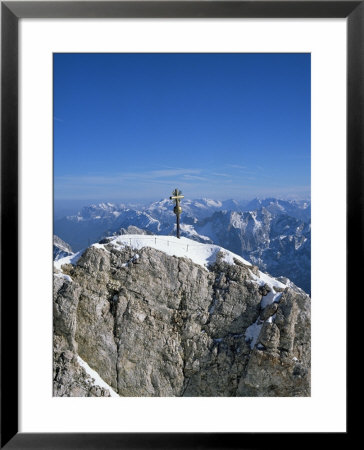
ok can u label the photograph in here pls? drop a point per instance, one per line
(181, 225)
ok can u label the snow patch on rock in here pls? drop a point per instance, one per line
(70, 259)
(98, 381)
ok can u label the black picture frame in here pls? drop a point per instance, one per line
(11, 12)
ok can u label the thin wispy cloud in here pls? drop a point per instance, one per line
(220, 174)
(242, 170)
(236, 166)
(158, 183)
(153, 175)
(167, 173)
(194, 177)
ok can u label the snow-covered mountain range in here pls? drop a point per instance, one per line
(271, 233)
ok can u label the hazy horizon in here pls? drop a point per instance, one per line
(63, 207)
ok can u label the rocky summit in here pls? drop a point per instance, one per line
(139, 315)
(273, 234)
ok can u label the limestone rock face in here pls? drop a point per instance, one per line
(156, 325)
(69, 378)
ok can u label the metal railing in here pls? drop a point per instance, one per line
(156, 239)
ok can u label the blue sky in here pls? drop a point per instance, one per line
(135, 126)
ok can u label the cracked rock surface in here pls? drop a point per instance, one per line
(156, 325)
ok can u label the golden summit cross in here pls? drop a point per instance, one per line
(176, 196)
